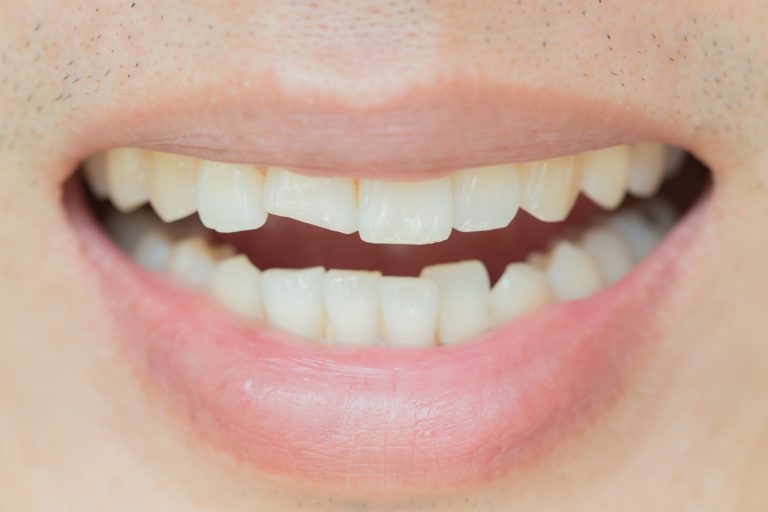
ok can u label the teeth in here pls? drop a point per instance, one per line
(173, 186)
(485, 198)
(406, 213)
(605, 174)
(128, 178)
(352, 306)
(609, 251)
(464, 288)
(95, 172)
(520, 289)
(646, 168)
(573, 274)
(153, 250)
(293, 300)
(639, 235)
(550, 188)
(236, 283)
(409, 308)
(330, 203)
(229, 197)
(191, 262)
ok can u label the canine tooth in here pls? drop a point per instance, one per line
(330, 203)
(95, 173)
(573, 273)
(639, 235)
(485, 198)
(463, 297)
(229, 197)
(191, 261)
(520, 289)
(406, 213)
(153, 250)
(236, 284)
(352, 306)
(409, 307)
(609, 251)
(646, 168)
(293, 300)
(173, 185)
(605, 174)
(550, 188)
(128, 177)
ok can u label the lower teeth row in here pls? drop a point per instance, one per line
(447, 304)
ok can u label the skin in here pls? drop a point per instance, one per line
(78, 431)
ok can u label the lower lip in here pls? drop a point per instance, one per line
(390, 420)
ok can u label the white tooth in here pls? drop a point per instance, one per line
(236, 283)
(153, 250)
(173, 185)
(330, 203)
(611, 253)
(406, 213)
(605, 174)
(674, 161)
(463, 296)
(293, 300)
(640, 236)
(550, 187)
(229, 197)
(538, 259)
(520, 289)
(95, 172)
(485, 198)
(125, 229)
(646, 168)
(409, 307)
(572, 272)
(191, 261)
(352, 306)
(128, 177)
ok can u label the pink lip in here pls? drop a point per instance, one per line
(384, 420)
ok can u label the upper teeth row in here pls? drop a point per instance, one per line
(237, 197)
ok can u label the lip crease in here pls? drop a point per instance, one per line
(383, 420)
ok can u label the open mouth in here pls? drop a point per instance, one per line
(386, 334)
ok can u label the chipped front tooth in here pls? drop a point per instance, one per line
(230, 197)
(293, 300)
(605, 174)
(191, 261)
(173, 185)
(330, 203)
(153, 250)
(573, 274)
(637, 232)
(236, 284)
(128, 177)
(409, 309)
(405, 213)
(550, 187)
(646, 168)
(609, 251)
(463, 297)
(485, 198)
(352, 306)
(95, 171)
(520, 289)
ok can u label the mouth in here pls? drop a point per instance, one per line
(387, 332)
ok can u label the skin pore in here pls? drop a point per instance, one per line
(80, 430)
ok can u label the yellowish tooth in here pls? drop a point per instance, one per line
(605, 174)
(230, 197)
(293, 300)
(409, 309)
(128, 177)
(646, 168)
(352, 306)
(609, 251)
(191, 262)
(173, 185)
(485, 198)
(550, 187)
(95, 172)
(236, 284)
(520, 289)
(573, 274)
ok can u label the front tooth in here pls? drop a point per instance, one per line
(173, 185)
(293, 300)
(550, 188)
(520, 289)
(152, 250)
(463, 295)
(229, 197)
(352, 306)
(191, 261)
(639, 235)
(485, 198)
(236, 283)
(330, 203)
(572, 272)
(646, 168)
(609, 251)
(128, 177)
(406, 213)
(409, 308)
(95, 171)
(605, 174)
